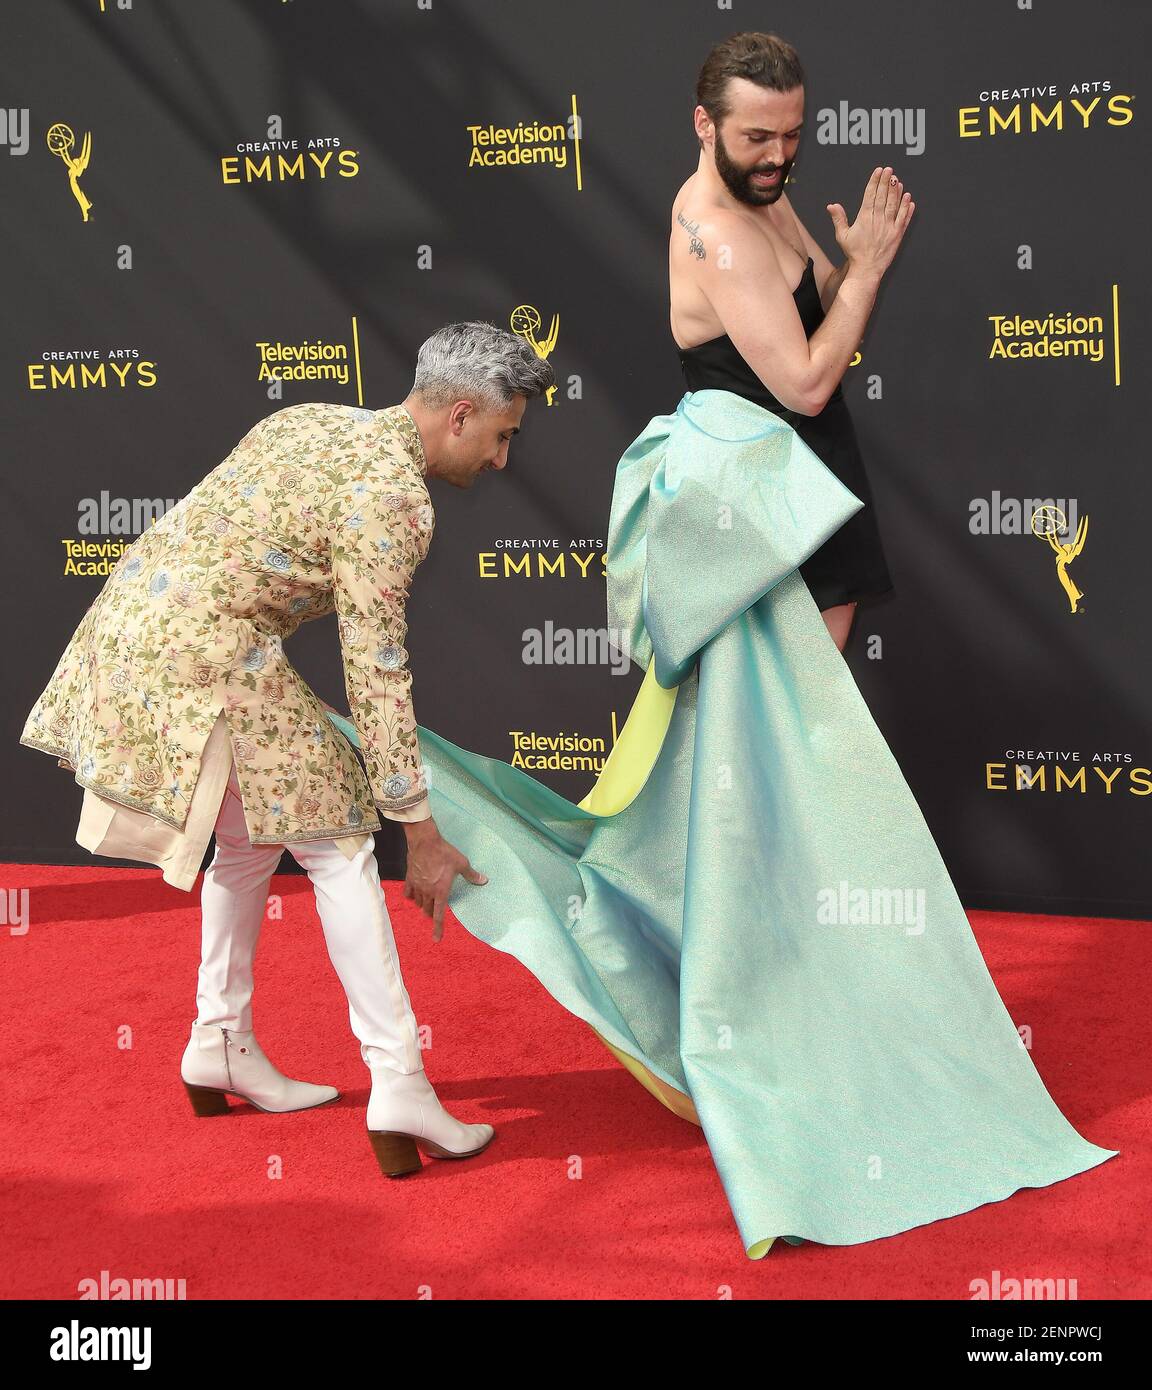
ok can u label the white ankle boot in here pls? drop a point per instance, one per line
(405, 1115)
(219, 1062)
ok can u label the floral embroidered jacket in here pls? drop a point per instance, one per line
(319, 508)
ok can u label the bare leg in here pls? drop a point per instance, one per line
(838, 621)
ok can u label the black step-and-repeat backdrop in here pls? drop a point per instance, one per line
(212, 209)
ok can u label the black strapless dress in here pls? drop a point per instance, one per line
(850, 565)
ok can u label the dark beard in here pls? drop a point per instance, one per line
(738, 181)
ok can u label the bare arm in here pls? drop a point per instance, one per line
(830, 286)
(746, 288)
(742, 279)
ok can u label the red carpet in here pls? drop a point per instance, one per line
(591, 1189)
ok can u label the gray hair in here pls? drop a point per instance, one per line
(478, 361)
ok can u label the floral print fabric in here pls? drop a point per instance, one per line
(320, 508)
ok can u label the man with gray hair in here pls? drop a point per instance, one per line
(179, 713)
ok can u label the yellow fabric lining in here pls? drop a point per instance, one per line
(679, 1104)
(675, 1100)
(624, 773)
(635, 751)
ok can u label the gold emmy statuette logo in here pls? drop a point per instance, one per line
(1048, 523)
(61, 141)
(525, 320)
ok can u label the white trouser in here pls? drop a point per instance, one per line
(357, 930)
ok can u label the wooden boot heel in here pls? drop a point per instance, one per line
(206, 1102)
(396, 1154)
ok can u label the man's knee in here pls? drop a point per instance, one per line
(316, 854)
(838, 619)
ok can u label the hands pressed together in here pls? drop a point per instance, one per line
(871, 242)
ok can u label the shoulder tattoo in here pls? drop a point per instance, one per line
(695, 246)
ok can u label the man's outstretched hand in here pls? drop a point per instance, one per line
(433, 864)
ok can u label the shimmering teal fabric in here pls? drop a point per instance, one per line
(751, 926)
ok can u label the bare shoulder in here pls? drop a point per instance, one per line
(710, 237)
(684, 192)
(692, 209)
